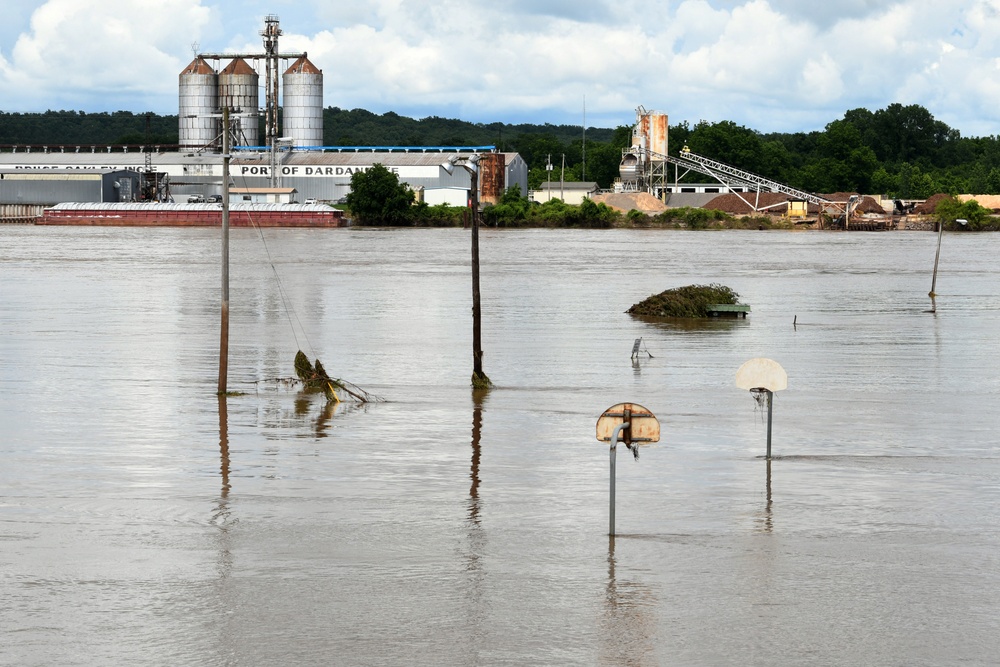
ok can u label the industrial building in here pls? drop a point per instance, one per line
(320, 175)
(262, 157)
(570, 192)
(41, 186)
(644, 163)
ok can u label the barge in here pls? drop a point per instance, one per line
(192, 215)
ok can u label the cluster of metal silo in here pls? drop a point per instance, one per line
(302, 118)
(199, 101)
(203, 92)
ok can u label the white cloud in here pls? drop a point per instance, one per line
(775, 65)
(86, 50)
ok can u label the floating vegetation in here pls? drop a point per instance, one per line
(689, 301)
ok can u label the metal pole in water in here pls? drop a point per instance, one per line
(614, 452)
(770, 401)
(937, 256)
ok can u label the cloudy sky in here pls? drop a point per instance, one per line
(772, 65)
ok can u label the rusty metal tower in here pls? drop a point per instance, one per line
(270, 33)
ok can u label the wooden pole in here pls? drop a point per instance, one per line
(224, 330)
(477, 330)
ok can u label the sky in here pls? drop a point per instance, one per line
(770, 65)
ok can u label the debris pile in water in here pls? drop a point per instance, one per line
(316, 377)
(689, 301)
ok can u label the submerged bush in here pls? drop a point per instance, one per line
(689, 301)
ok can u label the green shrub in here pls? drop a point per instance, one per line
(951, 209)
(694, 218)
(689, 301)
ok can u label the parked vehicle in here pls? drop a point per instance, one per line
(214, 199)
(311, 200)
(196, 199)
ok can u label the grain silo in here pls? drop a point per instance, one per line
(302, 108)
(238, 91)
(199, 102)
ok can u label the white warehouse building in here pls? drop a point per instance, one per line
(320, 175)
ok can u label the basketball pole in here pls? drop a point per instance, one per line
(770, 403)
(611, 494)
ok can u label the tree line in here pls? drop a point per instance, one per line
(902, 151)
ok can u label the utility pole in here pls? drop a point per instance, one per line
(224, 331)
(583, 146)
(477, 311)
(562, 180)
(548, 175)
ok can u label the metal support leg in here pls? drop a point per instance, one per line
(614, 453)
(770, 402)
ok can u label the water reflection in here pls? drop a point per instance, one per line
(222, 520)
(629, 627)
(766, 522)
(221, 517)
(694, 324)
(478, 399)
(322, 423)
(304, 401)
(476, 547)
(224, 447)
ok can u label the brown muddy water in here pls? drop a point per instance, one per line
(143, 521)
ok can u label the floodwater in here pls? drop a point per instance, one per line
(144, 521)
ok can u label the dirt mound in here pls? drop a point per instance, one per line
(769, 202)
(866, 205)
(928, 206)
(869, 205)
(839, 197)
(626, 201)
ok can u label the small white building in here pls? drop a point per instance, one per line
(570, 192)
(262, 195)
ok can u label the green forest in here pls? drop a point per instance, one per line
(901, 151)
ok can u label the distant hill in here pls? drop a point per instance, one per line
(359, 127)
(341, 127)
(80, 127)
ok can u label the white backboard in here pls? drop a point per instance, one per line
(761, 373)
